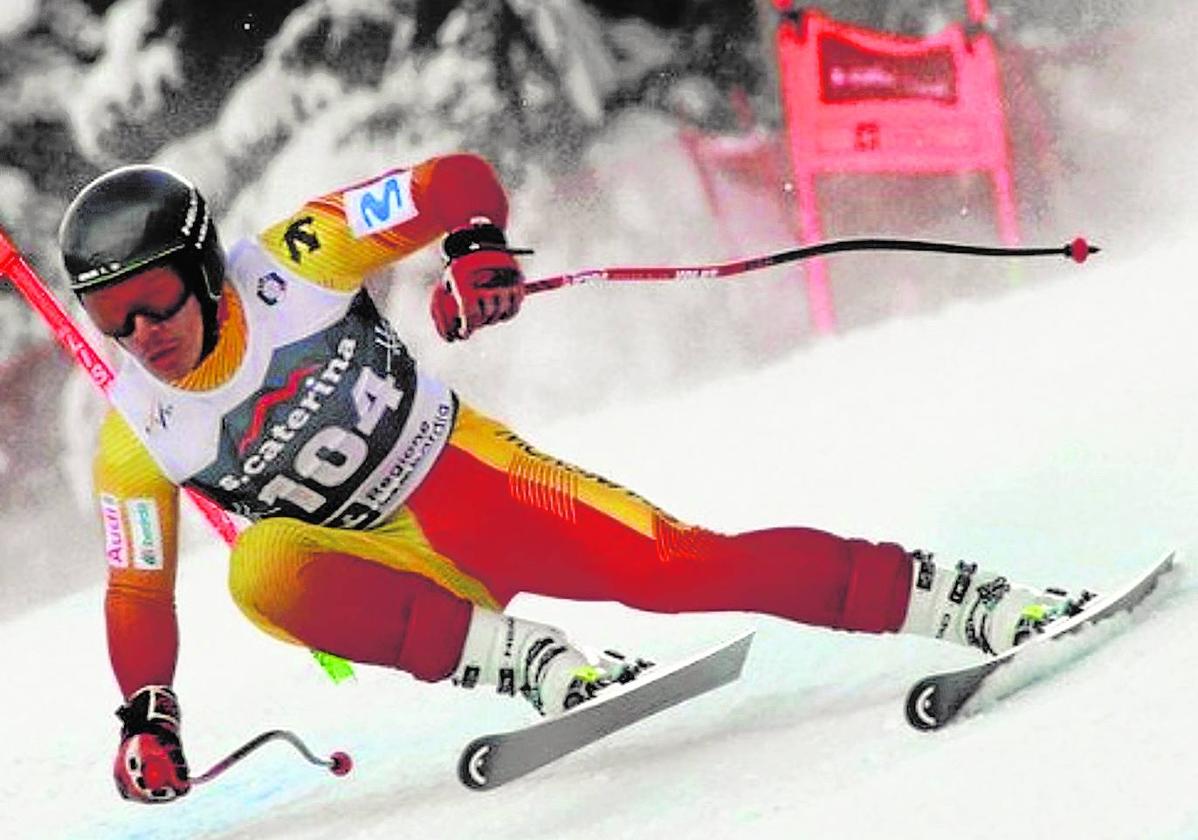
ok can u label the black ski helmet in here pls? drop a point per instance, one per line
(137, 217)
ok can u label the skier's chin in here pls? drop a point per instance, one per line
(167, 363)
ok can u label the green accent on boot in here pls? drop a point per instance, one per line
(588, 674)
(338, 669)
(1040, 613)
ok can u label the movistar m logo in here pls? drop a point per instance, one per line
(380, 205)
(378, 210)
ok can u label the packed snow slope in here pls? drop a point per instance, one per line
(1048, 433)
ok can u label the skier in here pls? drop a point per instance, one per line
(391, 522)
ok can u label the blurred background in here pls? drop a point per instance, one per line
(628, 133)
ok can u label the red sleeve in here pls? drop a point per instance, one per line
(143, 634)
(454, 189)
(139, 515)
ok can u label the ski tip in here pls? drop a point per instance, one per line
(1173, 558)
(735, 652)
(745, 640)
(1165, 567)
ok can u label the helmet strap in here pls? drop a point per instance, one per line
(209, 311)
(195, 277)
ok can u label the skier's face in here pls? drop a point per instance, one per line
(155, 318)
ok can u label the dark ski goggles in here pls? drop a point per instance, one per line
(154, 316)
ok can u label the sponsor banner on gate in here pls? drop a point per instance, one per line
(146, 532)
(380, 205)
(115, 546)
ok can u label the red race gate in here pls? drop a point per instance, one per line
(860, 101)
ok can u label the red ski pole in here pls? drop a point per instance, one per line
(1077, 250)
(18, 271)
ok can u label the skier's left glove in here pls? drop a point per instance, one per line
(481, 285)
(149, 765)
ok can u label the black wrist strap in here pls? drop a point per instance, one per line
(483, 236)
(153, 709)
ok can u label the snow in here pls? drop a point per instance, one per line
(1045, 433)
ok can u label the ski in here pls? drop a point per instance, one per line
(493, 760)
(935, 700)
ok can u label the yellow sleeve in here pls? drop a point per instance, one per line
(337, 239)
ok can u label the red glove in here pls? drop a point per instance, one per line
(149, 765)
(482, 283)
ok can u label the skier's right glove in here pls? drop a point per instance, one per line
(149, 765)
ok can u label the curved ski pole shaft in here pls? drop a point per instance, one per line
(1077, 250)
(18, 271)
(338, 763)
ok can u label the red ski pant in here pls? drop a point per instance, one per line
(494, 518)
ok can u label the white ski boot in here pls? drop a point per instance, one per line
(972, 607)
(537, 661)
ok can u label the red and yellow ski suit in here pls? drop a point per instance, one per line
(493, 518)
